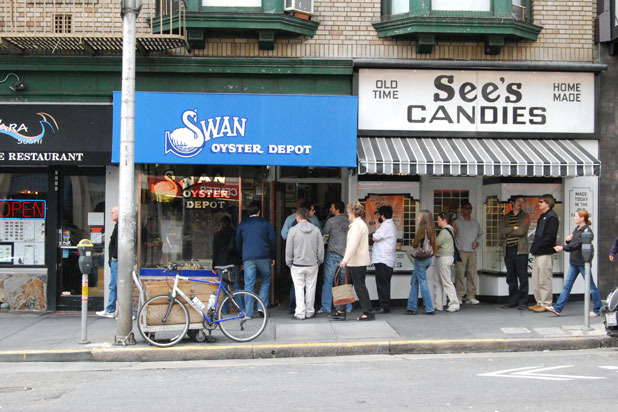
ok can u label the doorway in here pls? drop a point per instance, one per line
(319, 193)
(81, 215)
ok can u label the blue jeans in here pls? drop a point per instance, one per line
(419, 277)
(113, 281)
(331, 264)
(253, 268)
(568, 285)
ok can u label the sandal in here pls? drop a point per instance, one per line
(366, 317)
(552, 310)
(337, 315)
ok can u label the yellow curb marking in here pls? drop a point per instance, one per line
(260, 346)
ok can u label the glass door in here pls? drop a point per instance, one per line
(81, 215)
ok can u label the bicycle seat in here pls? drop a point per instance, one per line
(224, 267)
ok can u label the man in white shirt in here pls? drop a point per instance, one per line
(383, 256)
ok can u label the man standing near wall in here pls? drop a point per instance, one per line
(514, 231)
(336, 228)
(304, 252)
(255, 237)
(542, 250)
(469, 237)
(383, 257)
(112, 251)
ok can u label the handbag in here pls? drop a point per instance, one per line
(423, 250)
(456, 255)
(342, 294)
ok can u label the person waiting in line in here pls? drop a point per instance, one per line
(356, 259)
(542, 250)
(443, 263)
(514, 232)
(383, 257)
(255, 237)
(290, 222)
(424, 227)
(304, 252)
(573, 245)
(336, 229)
(224, 253)
(468, 240)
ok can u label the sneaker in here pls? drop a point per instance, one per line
(104, 314)
(472, 301)
(323, 312)
(453, 308)
(259, 313)
(298, 317)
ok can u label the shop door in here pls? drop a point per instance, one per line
(81, 215)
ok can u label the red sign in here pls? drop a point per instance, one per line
(22, 209)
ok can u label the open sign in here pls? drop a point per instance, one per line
(22, 209)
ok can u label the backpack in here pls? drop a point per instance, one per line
(423, 250)
(456, 255)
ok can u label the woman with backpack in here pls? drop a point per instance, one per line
(445, 242)
(424, 245)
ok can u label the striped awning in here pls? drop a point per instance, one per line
(474, 157)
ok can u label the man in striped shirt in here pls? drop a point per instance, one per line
(514, 230)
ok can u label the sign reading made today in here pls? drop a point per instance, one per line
(476, 101)
(242, 129)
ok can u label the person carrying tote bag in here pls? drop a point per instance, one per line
(424, 245)
(356, 258)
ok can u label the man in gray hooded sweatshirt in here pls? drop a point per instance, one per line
(304, 252)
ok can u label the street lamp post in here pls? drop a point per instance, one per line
(126, 216)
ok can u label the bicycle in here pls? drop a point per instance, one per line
(163, 320)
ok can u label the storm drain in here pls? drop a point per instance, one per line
(334, 331)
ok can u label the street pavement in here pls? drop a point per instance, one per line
(50, 337)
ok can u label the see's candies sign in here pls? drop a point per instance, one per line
(22, 209)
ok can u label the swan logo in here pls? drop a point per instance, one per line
(19, 131)
(189, 141)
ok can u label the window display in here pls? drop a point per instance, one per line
(181, 207)
(22, 218)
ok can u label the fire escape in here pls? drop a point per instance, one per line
(92, 27)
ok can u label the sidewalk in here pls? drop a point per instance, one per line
(47, 337)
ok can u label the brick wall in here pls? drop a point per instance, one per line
(346, 31)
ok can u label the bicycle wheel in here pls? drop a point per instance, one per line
(152, 327)
(235, 324)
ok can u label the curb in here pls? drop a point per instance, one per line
(321, 349)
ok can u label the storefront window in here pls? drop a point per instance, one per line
(181, 207)
(22, 218)
(495, 208)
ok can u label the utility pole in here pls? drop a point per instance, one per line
(126, 213)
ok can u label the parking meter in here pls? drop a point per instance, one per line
(85, 249)
(587, 247)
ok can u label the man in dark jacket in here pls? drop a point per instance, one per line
(542, 251)
(255, 238)
(514, 232)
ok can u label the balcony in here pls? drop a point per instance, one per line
(93, 27)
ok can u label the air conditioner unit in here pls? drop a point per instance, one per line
(519, 12)
(302, 6)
